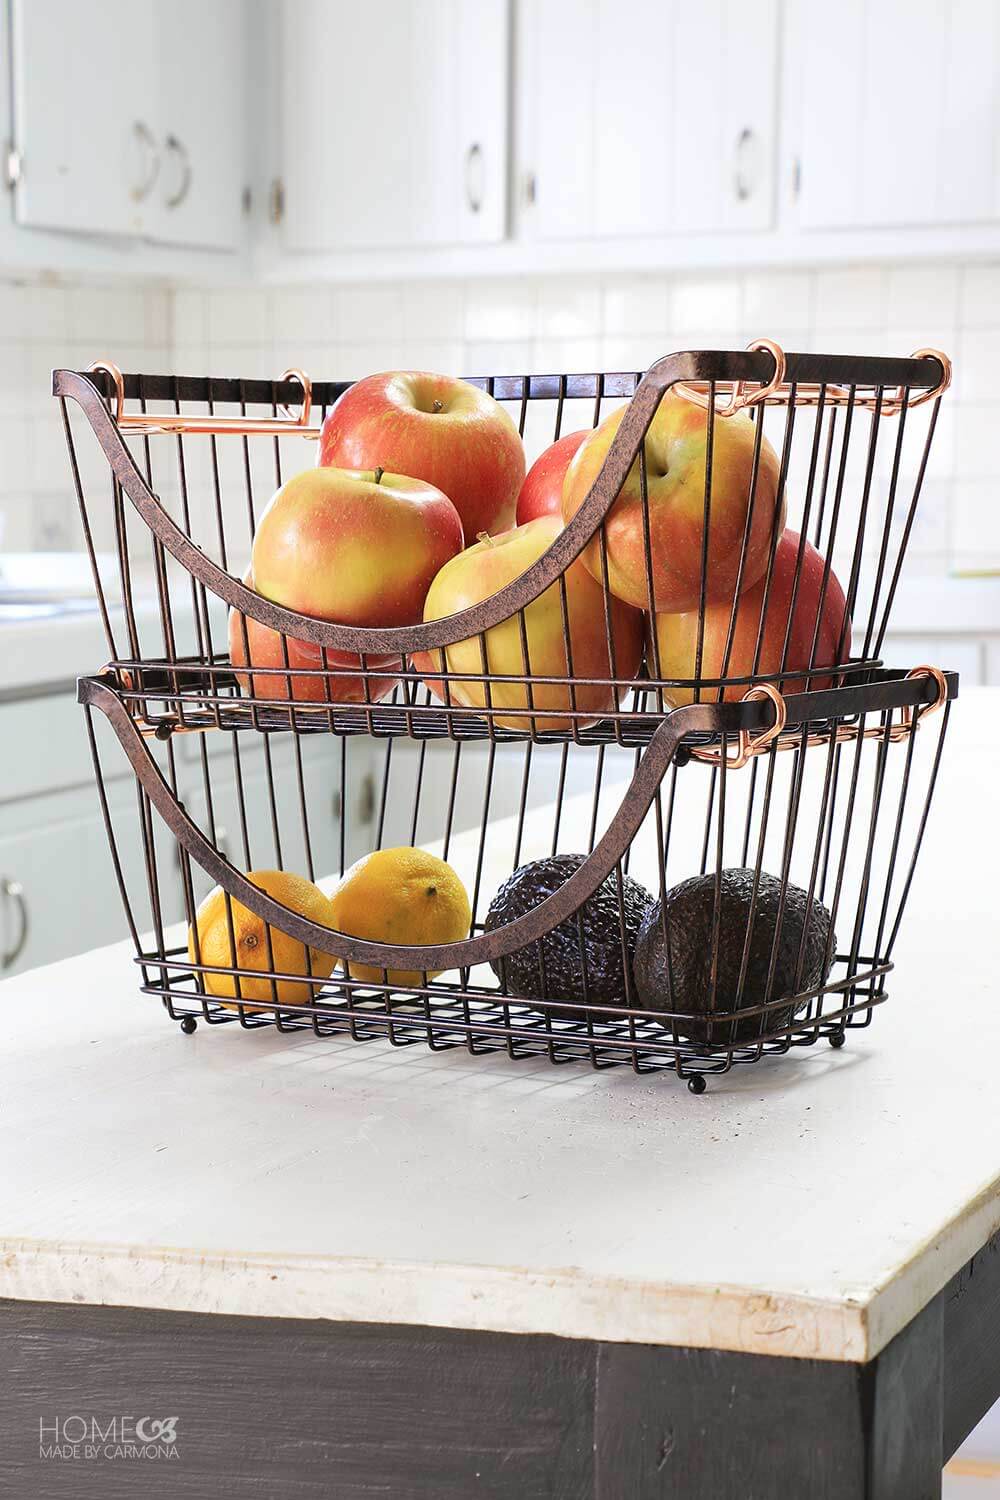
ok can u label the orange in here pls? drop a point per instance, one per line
(401, 896)
(282, 954)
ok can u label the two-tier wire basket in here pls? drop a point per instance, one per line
(718, 855)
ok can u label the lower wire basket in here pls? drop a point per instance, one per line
(727, 887)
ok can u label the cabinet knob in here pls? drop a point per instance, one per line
(745, 165)
(474, 177)
(148, 158)
(177, 149)
(13, 891)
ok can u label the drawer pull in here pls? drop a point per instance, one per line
(13, 890)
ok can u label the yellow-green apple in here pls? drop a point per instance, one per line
(815, 624)
(435, 428)
(360, 547)
(675, 445)
(541, 492)
(489, 566)
(253, 644)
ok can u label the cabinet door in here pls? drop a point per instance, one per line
(67, 899)
(276, 833)
(201, 53)
(648, 119)
(867, 80)
(41, 916)
(84, 112)
(394, 122)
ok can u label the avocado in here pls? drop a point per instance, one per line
(591, 936)
(674, 972)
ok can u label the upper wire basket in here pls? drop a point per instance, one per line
(616, 773)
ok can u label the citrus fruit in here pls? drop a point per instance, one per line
(401, 896)
(282, 954)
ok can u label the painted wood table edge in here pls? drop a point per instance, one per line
(359, 1409)
(564, 1303)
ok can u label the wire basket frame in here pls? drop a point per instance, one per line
(839, 817)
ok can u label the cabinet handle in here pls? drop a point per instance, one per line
(14, 891)
(474, 177)
(147, 141)
(741, 174)
(178, 148)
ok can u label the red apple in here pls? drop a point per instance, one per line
(259, 645)
(435, 428)
(677, 634)
(541, 492)
(490, 565)
(354, 546)
(675, 446)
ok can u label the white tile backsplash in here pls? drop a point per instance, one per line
(567, 308)
(714, 303)
(239, 317)
(923, 297)
(515, 325)
(501, 310)
(851, 297)
(979, 301)
(977, 361)
(365, 313)
(636, 304)
(190, 318)
(434, 310)
(773, 299)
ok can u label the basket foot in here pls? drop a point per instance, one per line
(697, 1084)
(189, 1024)
(837, 1039)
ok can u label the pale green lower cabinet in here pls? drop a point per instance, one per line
(58, 892)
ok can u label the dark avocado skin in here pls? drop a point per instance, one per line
(686, 986)
(561, 948)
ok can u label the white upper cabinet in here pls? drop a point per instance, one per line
(900, 114)
(651, 118)
(128, 118)
(201, 123)
(84, 115)
(393, 123)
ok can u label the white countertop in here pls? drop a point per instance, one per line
(807, 1206)
(45, 652)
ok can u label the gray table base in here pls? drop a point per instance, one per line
(297, 1410)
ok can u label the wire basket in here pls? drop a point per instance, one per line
(695, 896)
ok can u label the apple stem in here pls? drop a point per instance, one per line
(438, 406)
(378, 474)
(485, 538)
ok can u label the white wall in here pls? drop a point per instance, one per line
(483, 327)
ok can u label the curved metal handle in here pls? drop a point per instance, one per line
(396, 639)
(475, 177)
(175, 145)
(742, 184)
(802, 708)
(481, 948)
(142, 133)
(14, 891)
